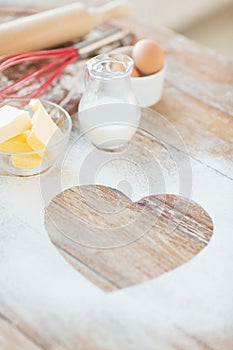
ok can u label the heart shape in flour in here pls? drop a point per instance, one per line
(116, 243)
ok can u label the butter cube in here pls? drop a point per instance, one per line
(35, 104)
(26, 161)
(13, 121)
(43, 130)
(16, 144)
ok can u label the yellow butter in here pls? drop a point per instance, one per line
(16, 144)
(35, 104)
(13, 121)
(44, 131)
(26, 161)
(35, 142)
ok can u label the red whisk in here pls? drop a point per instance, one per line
(58, 59)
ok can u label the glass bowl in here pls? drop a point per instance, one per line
(35, 162)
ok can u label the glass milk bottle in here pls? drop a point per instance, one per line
(108, 111)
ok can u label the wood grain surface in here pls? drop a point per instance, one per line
(139, 241)
(191, 311)
(194, 90)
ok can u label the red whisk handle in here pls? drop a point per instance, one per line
(58, 59)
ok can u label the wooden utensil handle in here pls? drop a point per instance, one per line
(56, 26)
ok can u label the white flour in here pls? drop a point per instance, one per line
(40, 288)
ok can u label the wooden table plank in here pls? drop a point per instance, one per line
(197, 101)
(198, 97)
(177, 230)
(11, 338)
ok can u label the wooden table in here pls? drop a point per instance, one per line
(46, 304)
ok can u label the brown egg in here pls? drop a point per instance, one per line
(148, 56)
(135, 73)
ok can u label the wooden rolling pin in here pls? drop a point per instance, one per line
(56, 26)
